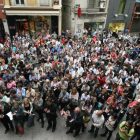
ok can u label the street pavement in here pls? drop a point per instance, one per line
(38, 133)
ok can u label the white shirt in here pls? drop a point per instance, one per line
(98, 121)
(80, 70)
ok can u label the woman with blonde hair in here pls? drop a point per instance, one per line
(27, 108)
(74, 96)
(54, 83)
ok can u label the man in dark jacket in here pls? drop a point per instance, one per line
(76, 122)
(136, 131)
(50, 110)
(5, 120)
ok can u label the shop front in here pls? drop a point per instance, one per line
(92, 26)
(117, 27)
(32, 24)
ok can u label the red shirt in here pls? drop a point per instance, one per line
(134, 103)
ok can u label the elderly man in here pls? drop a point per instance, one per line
(76, 122)
(63, 83)
(97, 122)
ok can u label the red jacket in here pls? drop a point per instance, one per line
(101, 80)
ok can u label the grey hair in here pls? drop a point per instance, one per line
(78, 108)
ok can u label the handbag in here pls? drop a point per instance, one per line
(20, 130)
(30, 120)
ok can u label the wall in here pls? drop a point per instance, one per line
(6, 2)
(136, 25)
(83, 3)
(32, 2)
(113, 9)
(66, 14)
(2, 15)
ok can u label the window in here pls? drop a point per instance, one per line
(91, 3)
(55, 2)
(44, 2)
(20, 2)
(121, 6)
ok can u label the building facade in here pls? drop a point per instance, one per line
(3, 22)
(135, 20)
(93, 15)
(33, 16)
(119, 14)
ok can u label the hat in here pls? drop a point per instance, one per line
(138, 100)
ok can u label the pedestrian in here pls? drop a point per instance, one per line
(97, 122)
(50, 110)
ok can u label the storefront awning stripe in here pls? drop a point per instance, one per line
(12, 12)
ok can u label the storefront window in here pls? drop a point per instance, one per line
(22, 27)
(115, 27)
(40, 24)
(92, 26)
(121, 6)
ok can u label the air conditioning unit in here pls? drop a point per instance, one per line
(102, 0)
(102, 5)
(137, 1)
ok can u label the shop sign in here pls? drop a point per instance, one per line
(97, 20)
(21, 19)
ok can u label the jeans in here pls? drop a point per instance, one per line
(106, 131)
(16, 121)
(96, 130)
(40, 114)
(134, 135)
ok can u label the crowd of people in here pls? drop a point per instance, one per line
(89, 80)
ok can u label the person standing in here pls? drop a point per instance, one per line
(50, 110)
(5, 120)
(136, 130)
(18, 116)
(109, 125)
(97, 122)
(76, 122)
(125, 130)
(38, 106)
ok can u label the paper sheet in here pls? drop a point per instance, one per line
(10, 115)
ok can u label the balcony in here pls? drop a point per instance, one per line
(90, 11)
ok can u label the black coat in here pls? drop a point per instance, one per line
(52, 115)
(78, 121)
(6, 110)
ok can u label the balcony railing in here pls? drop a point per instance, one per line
(87, 10)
